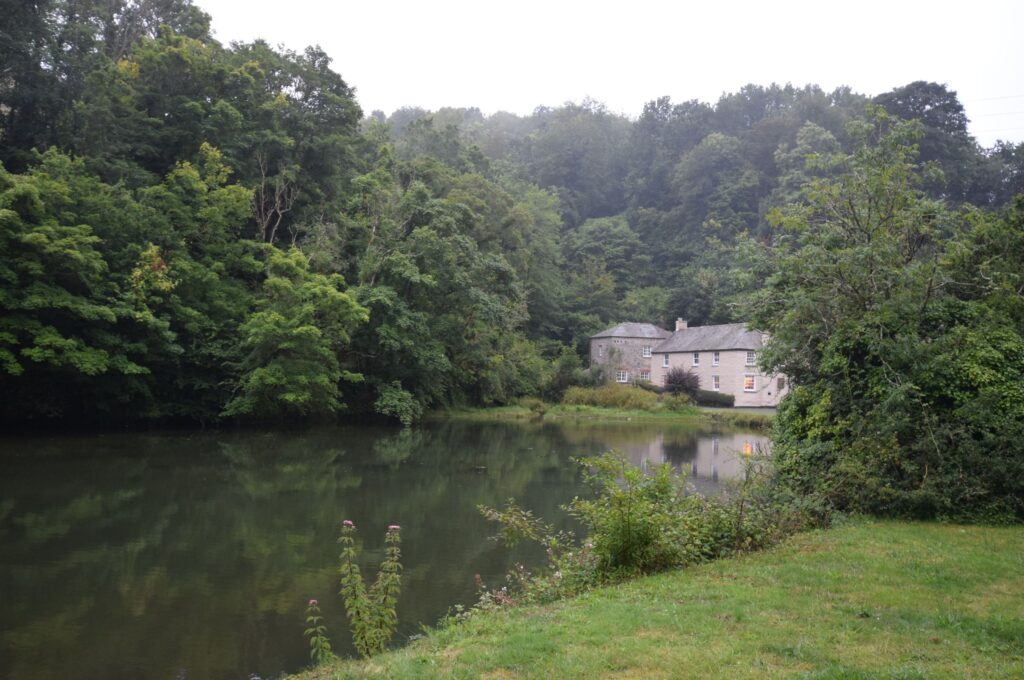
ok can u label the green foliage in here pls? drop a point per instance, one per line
(477, 244)
(319, 644)
(630, 516)
(907, 363)
(291, 345)
(640, 523)
(611, 396)
(398, 403)
(712, 398)
(371, 611)
(681, 380)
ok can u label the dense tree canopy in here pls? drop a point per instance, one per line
(211, 232)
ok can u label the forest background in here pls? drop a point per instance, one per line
(198, 232)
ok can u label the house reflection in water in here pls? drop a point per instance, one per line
(707, 458)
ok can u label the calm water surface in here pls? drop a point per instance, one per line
(193, 555)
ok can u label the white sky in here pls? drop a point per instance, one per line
(519, 55)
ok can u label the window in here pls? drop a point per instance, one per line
(748, 382)
(748, 448)
(696, 358)
(645, 375)
(714, 446)
(716, 383)
(750, 357)
(621, 376)
(647, 352)
(715, 356)
(664, 361)
(600, 351)
(780, 384)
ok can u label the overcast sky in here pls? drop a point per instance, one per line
(519, 55)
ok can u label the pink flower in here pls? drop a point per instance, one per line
(313, 603)
(347, 523)
(393, 527)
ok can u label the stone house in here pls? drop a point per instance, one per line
(723, 356)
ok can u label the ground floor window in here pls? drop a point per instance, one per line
(645, 375)
(621, 376)
(749, 385)
(716, 383)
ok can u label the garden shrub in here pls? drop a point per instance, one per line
(709, 398)
(682, 381)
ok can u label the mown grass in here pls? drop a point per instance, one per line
(868, 600)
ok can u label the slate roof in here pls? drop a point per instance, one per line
(634, 330)
(703, 338)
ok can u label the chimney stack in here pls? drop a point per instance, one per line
(680, 324)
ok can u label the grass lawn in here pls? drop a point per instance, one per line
(867, 600)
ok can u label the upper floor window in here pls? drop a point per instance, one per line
(600, 351)
(647, 352)
(696, 358)
(664, 361)
(715, 356)
(750, 357)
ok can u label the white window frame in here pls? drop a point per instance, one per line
(716, 383)
(696, 358)
(645, 375)
(753, 382)
(715, 357)
(622, 376)
(646, 352)
(600, 351)
(751, 358)
(664, 361)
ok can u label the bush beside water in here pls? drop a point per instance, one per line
(636, 524)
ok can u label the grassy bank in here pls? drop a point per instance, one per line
(869, 600)
(693, 414)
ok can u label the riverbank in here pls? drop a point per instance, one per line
(753, 418)
(867, 600)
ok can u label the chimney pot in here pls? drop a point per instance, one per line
(680, 324)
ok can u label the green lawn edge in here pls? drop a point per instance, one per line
(690, 416)
(872, 599)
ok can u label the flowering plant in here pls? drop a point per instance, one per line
(319, 644)
(371, 611)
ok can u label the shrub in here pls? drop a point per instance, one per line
(630, 515)
(611, 396)
(709, 398)
(675, 402)
(650, 387)
(682, 381)
(639, 523)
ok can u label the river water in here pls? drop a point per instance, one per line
(174, 556)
